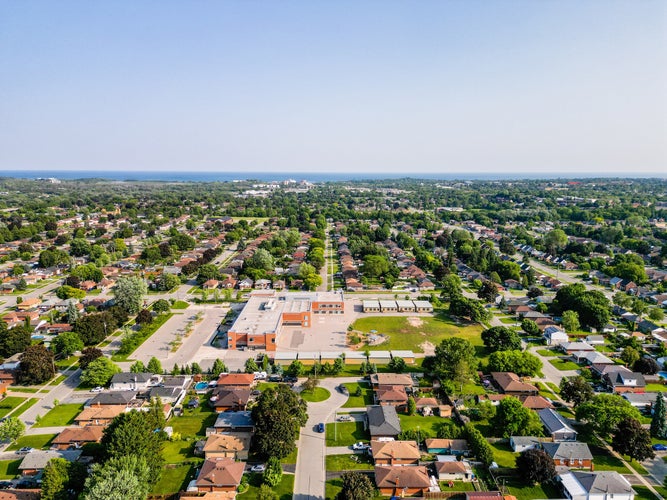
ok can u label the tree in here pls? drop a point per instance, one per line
(67, 343)
(99, 372)
(67, 292)
(207, 272)
(134, 434)
(630, 356)
(119, 478)
(514, 419)
(72, 312)
(36, 366)
(261, 259)
(13, 340)
(522, 363)
(88, 355)
(603, 412)
(575, 390)
(251, 366)
(94, 328)
(11, 429)
(356, 486)
(656, 314)
(161, 306)
(62, 479)
(570, 321)
(536, 466)
(218, 367)
(397, 365)
(273, 473)
(592, 306)
(479, 446)
(295, 369)
(451, 287)
(468, 308)
(129, 293)
(455, 358)
(554, 240)
(154, 366)
(488, 291)
(501, 338)
(530, 327)
(412, 406)
(266, 493)
(534, 292)
(138, 367)
(646, 365)
(632, 439)
(658, 423)
(145, 317)
(278, 414)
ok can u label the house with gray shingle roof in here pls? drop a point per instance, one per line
(556, 426)
(382, 421)
(596, 485)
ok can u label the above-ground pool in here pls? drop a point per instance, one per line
(201, 386)
(663, 374)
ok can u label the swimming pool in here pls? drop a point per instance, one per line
(663, 375)
(201, 386)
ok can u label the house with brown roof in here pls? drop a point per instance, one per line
(219, 474)
(395, 452)
(536, 403)
(78, 436)
(210, 284)
(447, 446)
(394, 379)
(235, 445)
(453, 470)
(399, 481)
(28, 304)
(511, 384)
(98, 415)
(232, 399)
(393, 395)
(236, 380)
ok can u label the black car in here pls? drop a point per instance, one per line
(343, 390)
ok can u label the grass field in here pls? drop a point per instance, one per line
(547, 353)
(347, 433)
(316, 395)
(60, 415)
(366, 397)
(564, 365)
(603, 460)
(503, 455)
(426, 425)
(9, 403)
(9, 469)
(173, 480)
(656, 388)
(180, 304)
(194, 422)
(404, 335)
(283, 490)
(37, 441)
(349, 462)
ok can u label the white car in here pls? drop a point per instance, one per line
(97, 389)
(360, 446)
(258, 468)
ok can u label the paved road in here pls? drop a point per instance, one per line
(310, 475)
(657, 467)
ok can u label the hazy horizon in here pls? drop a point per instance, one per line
(567, 88)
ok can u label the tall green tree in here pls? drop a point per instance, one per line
(278, 414)
(633, 440)
(13, 340)
(99, 372)
(514, 419)
(603, 412)
(62, 480)
(67, 343)
(658, 423)
(575, 390)
(356, 486)
(154, 366)
(11, 429)
(36, 366)
(455, 358)
(129, 293)
(501, 338)
(570, 321)
(536, 466)
(119, 478)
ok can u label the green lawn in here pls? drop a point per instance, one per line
(194, 422)
(366, 397)
(603, 460)
(349, 462)
(503, 455)
(9, 403)
(548, 353)
(283, 490)
(9, 469)
(173, 480)
(402, 335)
(456, 486)
(426, 425)
(180, 304)
(64, 363)
(347, 433)
(316, 395)
(656, 388)
(60, 415)
(564, 365)
(176, 452)
(523, 491)
(37, 441)
(19, 411)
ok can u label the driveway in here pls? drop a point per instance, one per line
(310, 475)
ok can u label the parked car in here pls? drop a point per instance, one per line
(320, 427)
(343, 389)
(258, 468)
(255, 392)
(345, 418)
(360, 446)
(24, 451)
(97, 389)
(660, 447)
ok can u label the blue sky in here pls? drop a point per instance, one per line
(458, 86)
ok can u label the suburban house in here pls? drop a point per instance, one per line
(393, 395)
(572, 347)
(536, 403)
(643, 401)
(556, 426)
(399, 481)
(626, 382)
(511, 384)
(391, 379)
(128, 381)
(395, 452)
(236, 380)
(219, 474)
(78, 436)
(554, 335)
(595, 486)
(232, 421)
(233, 445)
(34, 462)
(451, 469)
(230, 399)
(98, 415)
(523, 443)
(571, 454)
(382, 421)
(115, 398)
(447, 446)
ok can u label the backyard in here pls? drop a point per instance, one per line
(63, 414)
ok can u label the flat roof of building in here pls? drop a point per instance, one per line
(422, 304)
(370, 303)
(405, 303)
(387, 303)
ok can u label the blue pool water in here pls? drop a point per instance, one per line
(663, 375)
(201, 386)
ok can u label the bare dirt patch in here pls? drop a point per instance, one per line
(415, 321)
(428, 348)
